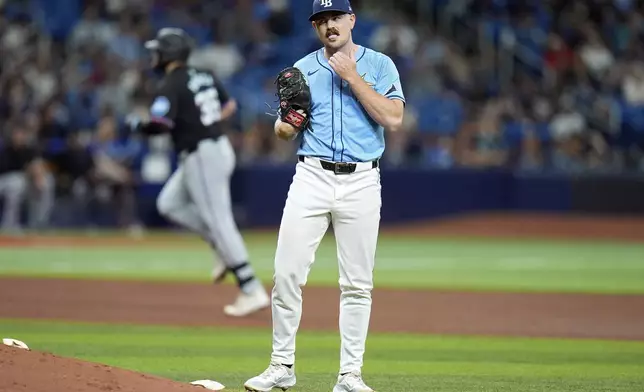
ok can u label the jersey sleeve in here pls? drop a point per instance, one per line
(388, 83)
(224, 97)
(301, 65)
(163, 110)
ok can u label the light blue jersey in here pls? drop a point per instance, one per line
(343, 131)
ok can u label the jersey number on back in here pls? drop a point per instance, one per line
(208, 103)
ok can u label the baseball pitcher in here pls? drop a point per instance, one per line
(337, 101)
(190, 104)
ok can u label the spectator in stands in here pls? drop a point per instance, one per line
(433, 50)
(280, 21)
(41, 78)
(221, 56)
(116, 89)
(115, 7)
(75, 170)
(252, 143)
(531, 155)
(24, 177)
(396, 38)
(484, 145)
(559, 59)
(398, 143)
(437, 66)
(91, 30)
(438, 152)
(567, 122)
(568, 155)
(595, 56)
(113, 162)
(84, 105)
(530, 39)
(126, 44)
(17, 99)
(55, 121)
(260, 49)
(569, 132)
(633, 84)
(16, 35)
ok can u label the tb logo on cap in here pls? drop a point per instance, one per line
(326, 3)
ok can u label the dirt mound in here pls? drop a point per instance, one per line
(32, 371)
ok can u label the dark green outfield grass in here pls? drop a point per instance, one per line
(446, 263)
(394, 363)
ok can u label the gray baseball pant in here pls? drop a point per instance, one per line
(15, 188)
(197, 197)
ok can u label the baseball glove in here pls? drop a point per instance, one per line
(294, 97)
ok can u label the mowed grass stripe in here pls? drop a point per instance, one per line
(413, 263)
(393, 362)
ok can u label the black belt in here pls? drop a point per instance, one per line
(340, 167)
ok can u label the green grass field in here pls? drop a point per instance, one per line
(517, 265)
(394, 363)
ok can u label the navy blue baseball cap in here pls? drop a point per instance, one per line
(320, 6)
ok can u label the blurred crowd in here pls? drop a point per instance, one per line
(525, 85)
(528, 85)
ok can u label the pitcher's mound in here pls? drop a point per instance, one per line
(32, 371)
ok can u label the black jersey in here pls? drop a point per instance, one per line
(14, 158)
(189, 103)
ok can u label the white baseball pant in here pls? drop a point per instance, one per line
(351, 203)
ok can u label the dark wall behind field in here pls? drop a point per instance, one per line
(410, 195)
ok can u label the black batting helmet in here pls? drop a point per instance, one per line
(170, 44)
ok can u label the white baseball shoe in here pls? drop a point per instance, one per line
(275, 376)
(249, 303)
(351, 382)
